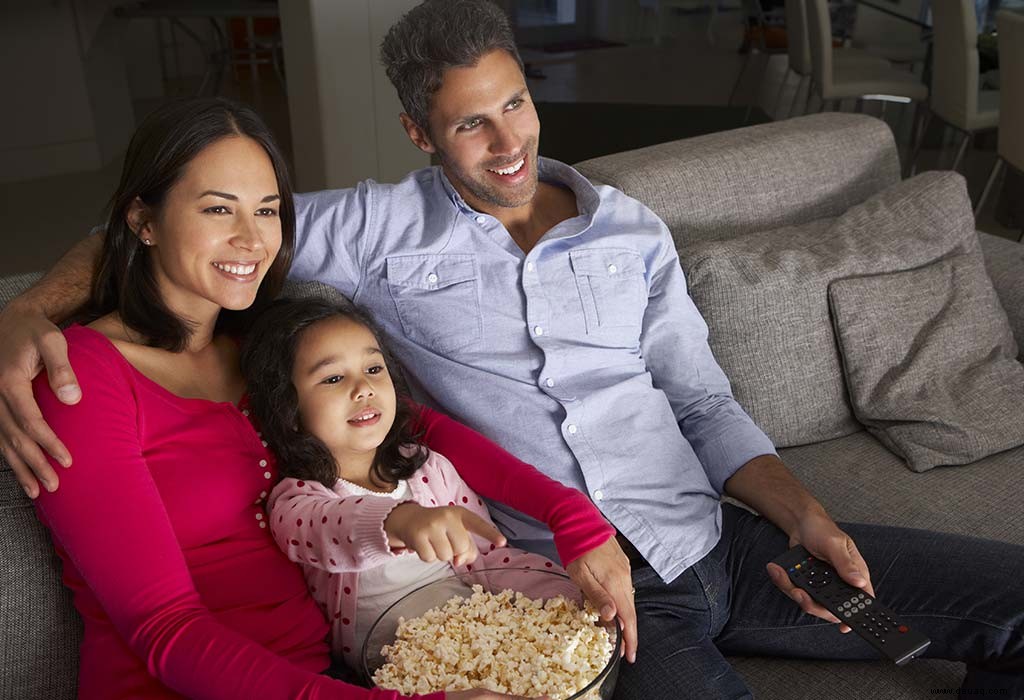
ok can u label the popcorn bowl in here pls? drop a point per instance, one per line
(533, 583)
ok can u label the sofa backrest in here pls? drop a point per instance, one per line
(758, 178)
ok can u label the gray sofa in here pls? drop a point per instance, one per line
(710, 188)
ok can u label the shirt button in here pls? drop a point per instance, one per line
(481, 219)
(572, 429)
(266, 475)
(612, 269)
(245, 411)
(263, 494)
(549, 382)
(263, 525)
(537, 330)
(263, 462)
(259, 516)
(263, 442)
(530, 266)
(432, 278)
(599, 495)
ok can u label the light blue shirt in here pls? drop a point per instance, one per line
(585, 357)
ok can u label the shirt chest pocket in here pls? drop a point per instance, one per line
(612, 287)
(438, 299)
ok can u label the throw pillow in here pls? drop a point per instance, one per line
(930, 362)
(765, 298)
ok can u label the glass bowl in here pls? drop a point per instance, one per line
(533, 583)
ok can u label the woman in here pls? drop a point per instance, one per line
(161, 523)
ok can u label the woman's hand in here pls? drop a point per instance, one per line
(605, 577)
(439, 534)
(484, 695)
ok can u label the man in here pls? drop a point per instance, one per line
(553, 316)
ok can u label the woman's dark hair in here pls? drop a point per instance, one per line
(163, 145)
(268, 356)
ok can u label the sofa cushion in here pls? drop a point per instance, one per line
(930, 361)
(805, 679)
(765, 299)
(1004, 260)
(858, 480)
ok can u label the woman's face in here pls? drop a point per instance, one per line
(218, 230)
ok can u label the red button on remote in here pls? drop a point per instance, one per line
(903, 628)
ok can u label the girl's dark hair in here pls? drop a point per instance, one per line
(163, 145)
(268, 356)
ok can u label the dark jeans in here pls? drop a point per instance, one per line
(965, 594)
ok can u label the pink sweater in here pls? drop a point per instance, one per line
(161, 528)
(337, 535)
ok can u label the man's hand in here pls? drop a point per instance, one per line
(30, 342)
(481, 694)
(604, 576)
(439, 534)
(823, 538)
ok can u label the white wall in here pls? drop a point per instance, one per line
(344, 112)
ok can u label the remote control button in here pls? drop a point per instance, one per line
(903, 629)
(847, 614)
(860, 606)
(867, 602)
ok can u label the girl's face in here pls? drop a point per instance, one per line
(346, 395)
(217, 231)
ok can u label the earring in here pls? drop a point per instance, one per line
(147, 241)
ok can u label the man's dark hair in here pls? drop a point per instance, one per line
(268, 357)
(436, 36)
(164, 144)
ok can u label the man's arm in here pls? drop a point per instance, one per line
(766, 485)
(737, 456)
(33, 342)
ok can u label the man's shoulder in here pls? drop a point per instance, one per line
(418, 183)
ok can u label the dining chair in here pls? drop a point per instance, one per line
(834, 81)
(889, 37)
(799, 51)
(1011, 108)
(956, 98)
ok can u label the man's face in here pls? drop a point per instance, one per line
(485, 130)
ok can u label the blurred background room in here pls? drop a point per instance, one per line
(607, 76)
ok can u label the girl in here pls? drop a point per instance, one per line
(363, 498)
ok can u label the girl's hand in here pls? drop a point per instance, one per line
(484, 695)
(439, 534)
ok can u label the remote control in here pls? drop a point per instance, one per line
(865, 615)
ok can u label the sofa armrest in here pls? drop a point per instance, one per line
(1004, 260)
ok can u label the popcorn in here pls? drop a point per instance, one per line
(504, 642)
